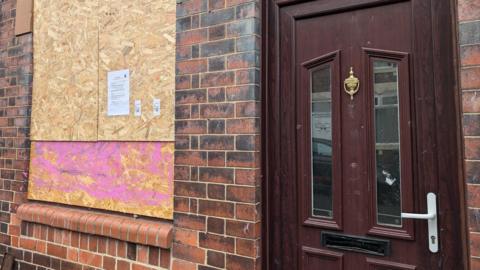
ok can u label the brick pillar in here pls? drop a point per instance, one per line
(15, 104)
(469, 41)
(217, 183)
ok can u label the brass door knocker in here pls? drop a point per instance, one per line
(351, 84)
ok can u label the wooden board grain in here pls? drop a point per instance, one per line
(65, 87)
(138, 35)
(129, 177)
(23, 18)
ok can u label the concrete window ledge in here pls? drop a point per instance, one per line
(145, 232)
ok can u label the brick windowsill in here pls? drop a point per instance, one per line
(128, 229)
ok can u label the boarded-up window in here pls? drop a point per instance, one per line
(76, 44)
(80, 155)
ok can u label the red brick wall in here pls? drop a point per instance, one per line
(217, 185)
(469, 42)
(35, 245)
(217, 173)
(15, 100)
(217, 210)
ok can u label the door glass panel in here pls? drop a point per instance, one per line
(387, 143)
(321, 110)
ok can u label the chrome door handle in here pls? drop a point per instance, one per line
(431, 216)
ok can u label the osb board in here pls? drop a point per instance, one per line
(134, 177)
(65, 87)
(138, 35)
(23, 17)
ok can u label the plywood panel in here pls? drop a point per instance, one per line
(130, 177)
(23, 17)
(138, 35)
(65, 87)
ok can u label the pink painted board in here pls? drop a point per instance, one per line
(129, 177)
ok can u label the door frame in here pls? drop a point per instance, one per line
(445, 41)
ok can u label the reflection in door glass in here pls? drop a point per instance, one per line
(321, 142)
(387, 143)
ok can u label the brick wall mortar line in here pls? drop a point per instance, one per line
(468, 21)
(79, 249)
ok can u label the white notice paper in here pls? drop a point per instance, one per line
(119, 92)
(138, 108)
(156, 107)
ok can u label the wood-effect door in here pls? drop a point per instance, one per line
(342, 167)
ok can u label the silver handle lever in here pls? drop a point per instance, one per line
(431, 216)
(419, 216)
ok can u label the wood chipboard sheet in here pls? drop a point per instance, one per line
(65, 88)
(23, 17)
(138, 35)
(129, 177)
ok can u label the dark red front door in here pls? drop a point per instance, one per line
(362, 126)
